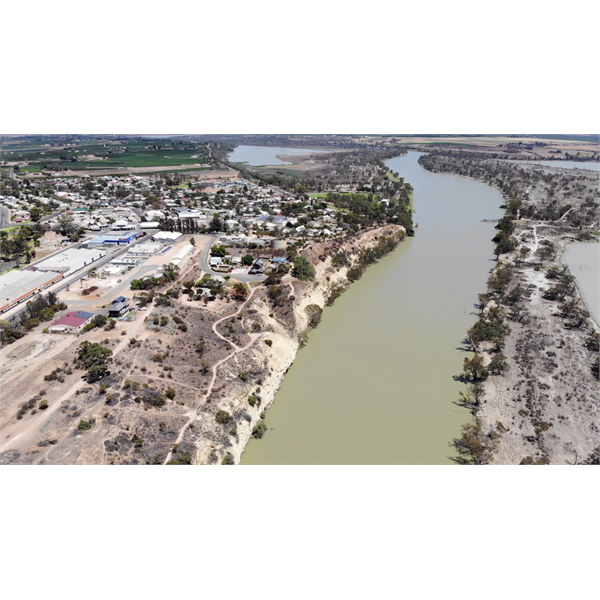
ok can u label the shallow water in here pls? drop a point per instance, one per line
(375, 383)
(583, 260)
(257, 156)
(562, 164)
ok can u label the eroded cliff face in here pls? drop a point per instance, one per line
(248, 381)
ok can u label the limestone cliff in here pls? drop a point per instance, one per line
(248, 381)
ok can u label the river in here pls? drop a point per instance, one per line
(375, 383)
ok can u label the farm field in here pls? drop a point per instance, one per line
(84, 154)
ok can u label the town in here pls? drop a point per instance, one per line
(109, 279)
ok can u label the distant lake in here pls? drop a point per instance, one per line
(257, 156)
(562, 164)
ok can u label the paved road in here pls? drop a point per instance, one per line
(6, 222)
(73, 279)
(4, 217)
(203, 260)
(114, 292)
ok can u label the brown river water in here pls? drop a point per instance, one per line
(375, 383)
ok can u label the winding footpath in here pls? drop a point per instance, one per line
(236, 350)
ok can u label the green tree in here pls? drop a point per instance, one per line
(474, 447)
(219, 251)
(66, 225)
(95, 359)
(240, 291)
(303, 270)
(498, 364)
(475, 369)
(36, 214)
(247, 260)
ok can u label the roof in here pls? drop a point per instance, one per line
(73, 319)
(16, 285)
(71, 259)
(119, 299)
(119, 306)
(82, 314)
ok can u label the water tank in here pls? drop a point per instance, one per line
(278, 244)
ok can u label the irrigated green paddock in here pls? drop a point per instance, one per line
(71, 152)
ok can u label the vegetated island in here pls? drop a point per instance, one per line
(533, 382)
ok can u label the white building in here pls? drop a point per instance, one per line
(71, 260)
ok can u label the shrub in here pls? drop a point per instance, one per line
(228, 460)
(233, 431)
(259, 430)
(252, 400)
(43, 405)
(269, 342)
(170, 393)
(222, 417)
(314, 313)
(244, 375)
(84, 426)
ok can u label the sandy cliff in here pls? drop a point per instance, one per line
(268, 358)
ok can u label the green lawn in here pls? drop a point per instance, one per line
(114, 155)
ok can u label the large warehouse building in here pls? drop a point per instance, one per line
(69, 261)
(18, 286)
(114, 240)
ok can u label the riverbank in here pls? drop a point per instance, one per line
(248, 383)
(376, 383)
(535, 394)
(547, 400)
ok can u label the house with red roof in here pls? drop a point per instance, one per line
(72, 322)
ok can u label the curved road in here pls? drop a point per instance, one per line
(142, 271)
(243, 277)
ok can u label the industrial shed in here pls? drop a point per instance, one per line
(69, 261)
(18, 286)
(114, 240)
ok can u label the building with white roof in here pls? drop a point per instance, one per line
(169, 236)
(70, 260)
(18, 286)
